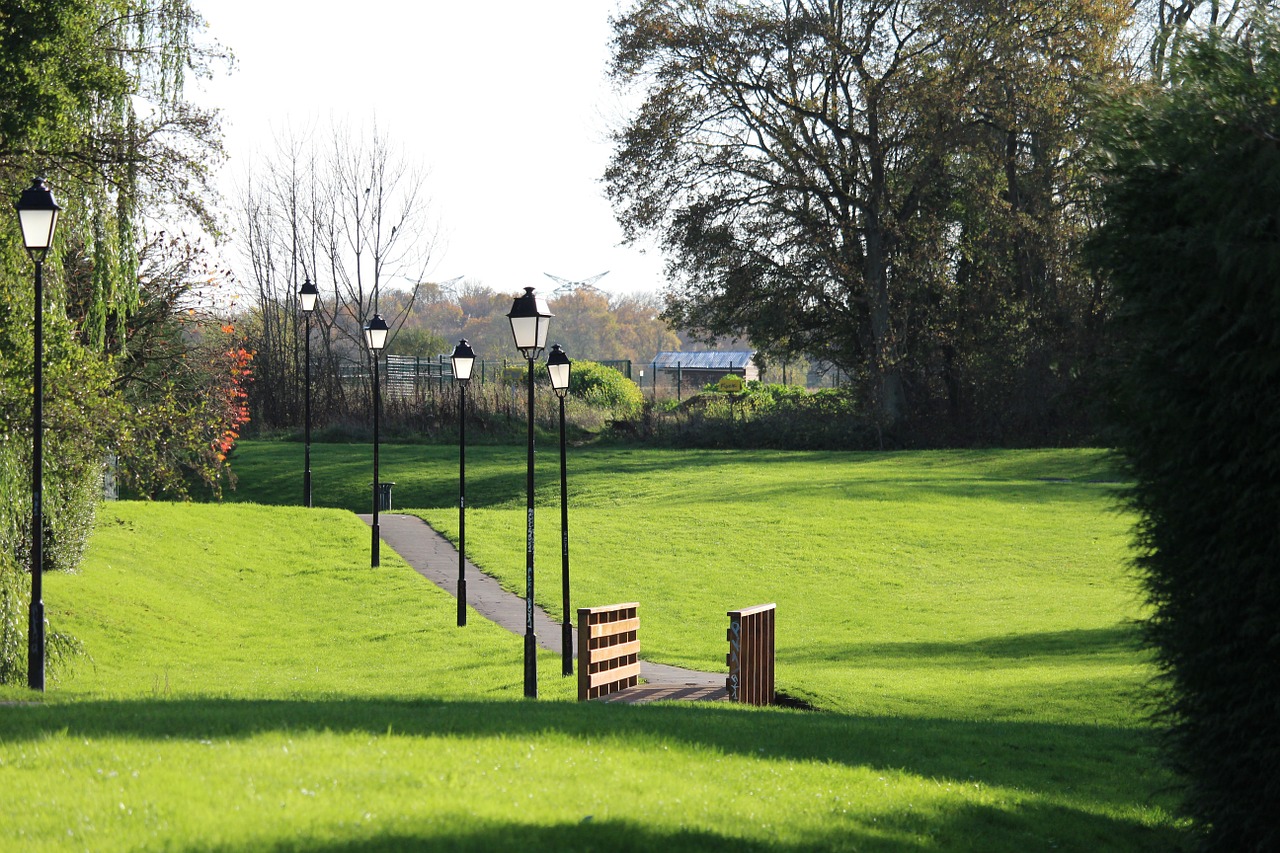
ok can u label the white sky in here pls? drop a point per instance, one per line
(504, 103)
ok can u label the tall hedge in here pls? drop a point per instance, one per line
(78, 413)
(1192, 239)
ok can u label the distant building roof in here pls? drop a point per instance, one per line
(703, 360)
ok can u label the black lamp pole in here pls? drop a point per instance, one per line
(463, 358)
(375, 332)
(558, 366)
(529, 323)
(38, 216)
(307, 297)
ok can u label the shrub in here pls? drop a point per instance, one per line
(78, 415)
(605, 388)
(784, 417)
(1193, 248)
(68, 515)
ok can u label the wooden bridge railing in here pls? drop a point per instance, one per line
(750, 655)
(608, 649)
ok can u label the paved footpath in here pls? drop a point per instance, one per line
(435, 558)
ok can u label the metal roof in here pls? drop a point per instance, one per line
(703, 360)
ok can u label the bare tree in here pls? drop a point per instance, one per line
(1163, 26)
(374, 231)
(347, 210)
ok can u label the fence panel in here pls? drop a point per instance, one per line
(608, 649)
(751, 654)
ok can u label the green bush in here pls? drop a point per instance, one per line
(605, 388)
(15, 583)
(68, 515)
(597, 395)
(783, 417)
(78, 415)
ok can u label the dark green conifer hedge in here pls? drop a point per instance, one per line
(1193, 243)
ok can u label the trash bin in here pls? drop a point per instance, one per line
(384, 497)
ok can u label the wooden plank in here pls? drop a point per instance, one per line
(609, 676)
(609, 629)
(748, 611)
(606, 609)
(614, 652)
(584, 654)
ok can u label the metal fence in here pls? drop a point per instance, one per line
(407, 375)
(676, 381)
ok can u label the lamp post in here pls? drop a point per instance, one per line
(530, 320)
(463, 359)
(38, 217)
(558, 365)
(375, 335)
(307, 297)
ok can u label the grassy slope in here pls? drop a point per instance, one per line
(256, 685)
(957, 584)
(253, 601)
(980, 585)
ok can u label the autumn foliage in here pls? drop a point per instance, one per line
(235, 396)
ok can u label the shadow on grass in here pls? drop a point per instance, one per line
(606, 835)
(1031, 827)
(426, 475)
(1044, 647)
(1097, 758)
(1063, 775)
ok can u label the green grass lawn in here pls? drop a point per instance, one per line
(961, 618)
(986, 585)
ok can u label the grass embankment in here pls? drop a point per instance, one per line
(983, 585)
(255, 685)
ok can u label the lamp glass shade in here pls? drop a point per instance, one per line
(463, 359)
(308, 295)
(530, 320)
(38, 216)
(375, 332)
(558, 365)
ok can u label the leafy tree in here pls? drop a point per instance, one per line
(1192, 240)
(598, 326)
(418, 342)
(822, 174)
(182, 376)
(92, 96)
(481, 318)
(52, 63)
(585, 325)
(643, 331)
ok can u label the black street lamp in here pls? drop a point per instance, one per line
(38, 216)
(307, 297)
(558, 365)
(375, 335)
(463, 359)
(530, 320)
